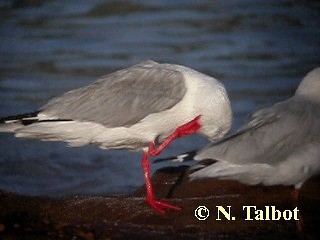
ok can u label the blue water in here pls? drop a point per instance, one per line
(260, 50)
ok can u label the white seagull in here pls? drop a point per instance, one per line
(279, 145)
(135, 108)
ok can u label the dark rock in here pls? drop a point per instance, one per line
(128, 217)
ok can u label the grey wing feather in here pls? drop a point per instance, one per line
(270, 136)
(301, 164)
(122, 98)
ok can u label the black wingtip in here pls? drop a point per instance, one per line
(19, 117)
(207, 162)
(29, 118)
(185, 157)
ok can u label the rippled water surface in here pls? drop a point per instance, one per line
(260, 50)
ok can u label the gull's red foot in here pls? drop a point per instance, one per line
(160, 206)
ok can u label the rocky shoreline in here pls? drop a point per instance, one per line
(128, 217)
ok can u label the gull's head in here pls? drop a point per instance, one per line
(310, 86)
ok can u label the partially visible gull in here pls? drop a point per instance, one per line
(135, 108)
(279, 145)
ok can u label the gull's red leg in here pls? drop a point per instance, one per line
(185, 129)
(158, 206)
(188, 128)
(295, 195)
(299, 223)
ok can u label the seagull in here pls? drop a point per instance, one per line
(279, 145)
(140, 108)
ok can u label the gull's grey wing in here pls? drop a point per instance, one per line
(121, 98)
(301, 164)
(270, 136)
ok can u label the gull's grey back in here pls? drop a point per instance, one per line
(122, 98)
